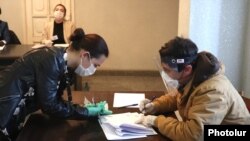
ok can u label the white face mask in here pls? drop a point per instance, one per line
(80, 70)
(58, 14)
(169, 82)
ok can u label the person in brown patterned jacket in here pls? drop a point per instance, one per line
(205, 96)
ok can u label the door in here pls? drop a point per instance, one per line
(39, 12)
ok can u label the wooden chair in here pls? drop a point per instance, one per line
(13, 38)
(246, 100)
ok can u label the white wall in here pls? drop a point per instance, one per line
(218, 26)
(246, 61)
(184, 18)
(13, 11)
(204, 24)
(134, 29)
(232, 38)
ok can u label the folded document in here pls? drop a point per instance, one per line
(122, 126)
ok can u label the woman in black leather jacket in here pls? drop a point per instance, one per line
(37, 81)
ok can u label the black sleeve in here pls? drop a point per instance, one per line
(48, 73)
(63, 85)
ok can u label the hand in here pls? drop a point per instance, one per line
(147, 107)
(94, 111)
(104, 106)
(48, 43)
(148, 120)
(98, 109)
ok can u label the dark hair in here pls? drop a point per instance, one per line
(65, 10)
(178, 53)
(92, 43)
(0, 11)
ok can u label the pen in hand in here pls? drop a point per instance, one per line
(152, 99)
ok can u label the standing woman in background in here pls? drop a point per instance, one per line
(4, 32)
(59, 30)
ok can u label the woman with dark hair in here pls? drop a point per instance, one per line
(4, 32)
(59, 30)
(37, 81)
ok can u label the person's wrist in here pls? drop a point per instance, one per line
(152, 120)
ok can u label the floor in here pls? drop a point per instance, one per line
(132, 81)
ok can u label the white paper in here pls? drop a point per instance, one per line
(38, 46)
(122, 126)
(123, 133)
(55, 37)
(117, 119)
(2, 47)
(123, 99)
(61, 45)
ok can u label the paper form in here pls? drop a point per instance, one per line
(123, 99)
(122, 126)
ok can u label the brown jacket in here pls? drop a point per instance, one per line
(213, 100)
(68, 29)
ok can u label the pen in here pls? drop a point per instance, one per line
(127, 105)
(152, 99)
(93, 101)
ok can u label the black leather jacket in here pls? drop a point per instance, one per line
(43, 71)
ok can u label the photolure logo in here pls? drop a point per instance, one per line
(215, 132)
(241, 132)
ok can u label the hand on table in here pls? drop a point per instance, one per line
(148, 120)
(98, 109)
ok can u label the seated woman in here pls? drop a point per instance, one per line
(59, 30)
(4, 32)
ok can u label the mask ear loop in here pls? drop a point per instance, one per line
(90, 61)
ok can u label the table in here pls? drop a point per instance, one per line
(12, 52)
(40, 127)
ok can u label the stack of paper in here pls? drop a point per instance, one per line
(122, 126)
(55, 45)
(2, 47)
(61, 45)
(38, 46)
